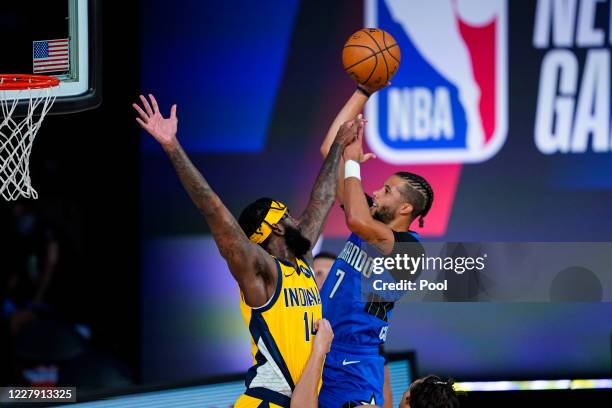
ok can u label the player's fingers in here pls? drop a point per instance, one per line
(173, 111)
(325, 323)
(329, 332)
(142, 124)
(142, 114)
(359, 136)
(367, 157)
(154, 103)
(146, 105)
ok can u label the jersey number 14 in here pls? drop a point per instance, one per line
(309, 326)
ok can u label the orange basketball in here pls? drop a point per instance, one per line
(371, 57)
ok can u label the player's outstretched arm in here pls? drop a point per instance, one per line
(324, 190)
(306, 392)
(351, 108)
(251, 266)
(356, 209)
(387, 393)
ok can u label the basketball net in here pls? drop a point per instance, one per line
(17, 136)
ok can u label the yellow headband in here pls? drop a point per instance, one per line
(274, 215)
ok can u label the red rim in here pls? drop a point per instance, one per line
(16, 82)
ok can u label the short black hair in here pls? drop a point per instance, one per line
(418, 192)
(325, 255)
(433, 392)
(253, 215)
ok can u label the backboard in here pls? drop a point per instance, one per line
(60, 38)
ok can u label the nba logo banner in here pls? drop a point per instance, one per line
(448, 101)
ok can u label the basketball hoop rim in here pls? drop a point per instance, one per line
(19, 82)
(17, 135)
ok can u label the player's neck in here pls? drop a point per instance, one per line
(400, 224)
(280, 250)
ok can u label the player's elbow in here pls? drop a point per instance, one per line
(324, 150)
(226, 253)
(234, 251)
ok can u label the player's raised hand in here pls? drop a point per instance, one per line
(347, 132)
(151, 120)
(367, 156)
(324, 337)
(369, 90)
(354, 151)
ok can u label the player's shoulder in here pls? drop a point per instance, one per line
(305, 267)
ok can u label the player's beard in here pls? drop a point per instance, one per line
(296, 242)
(383, 214)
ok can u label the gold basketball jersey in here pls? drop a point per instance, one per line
(282, 333)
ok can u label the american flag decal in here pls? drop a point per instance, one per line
(51, 55)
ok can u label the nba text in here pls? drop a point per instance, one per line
(420, 114)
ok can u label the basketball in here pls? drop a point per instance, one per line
(371, 57)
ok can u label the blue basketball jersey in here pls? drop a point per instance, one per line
(359, 315)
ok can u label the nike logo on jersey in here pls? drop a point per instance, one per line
(372, 401)
(344, 362)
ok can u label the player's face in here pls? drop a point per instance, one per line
(321, 268)
(295, 241)
(387, 200)
(289, 220)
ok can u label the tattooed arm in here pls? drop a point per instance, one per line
(324, 190)
(356, 210)
(353, 106)
(251, 266)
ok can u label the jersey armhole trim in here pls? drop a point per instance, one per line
(272, 300)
